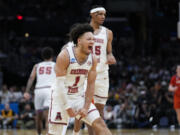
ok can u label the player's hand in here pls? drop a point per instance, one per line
(71, 112)
(110, 59)
(83, 112)
(26, 95)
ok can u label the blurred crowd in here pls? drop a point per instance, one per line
(15, 111)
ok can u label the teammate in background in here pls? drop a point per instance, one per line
(102, 49)
(44, 72)
(174, 86)
(74, 65)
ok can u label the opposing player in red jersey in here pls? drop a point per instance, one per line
(44, 73)
(174, 86)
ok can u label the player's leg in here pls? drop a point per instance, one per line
(178, 116)
(57, 116)
(47, 101)
(39, 118)
(46, 118)
(93, 119)
(90, 130)
(77, 127)
(100, 108)
(57, 129)
(100, 127)
(38, 103)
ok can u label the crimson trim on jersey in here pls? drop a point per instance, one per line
(92, 110)
(100, 96)
(68, 55)
(50, 106)
(61, 123)
(106, 33)
(43, 87)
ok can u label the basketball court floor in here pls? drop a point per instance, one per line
(114, 132)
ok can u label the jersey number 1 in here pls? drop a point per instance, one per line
(76, 80)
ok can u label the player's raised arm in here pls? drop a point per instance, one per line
(62, 64)
(110, 57)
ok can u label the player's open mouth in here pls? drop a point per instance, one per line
(90, 47)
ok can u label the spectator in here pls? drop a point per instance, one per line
(109, 116)
(5, 95)
(7, 117)
(142, 115)
(27, 118)
(16, 95)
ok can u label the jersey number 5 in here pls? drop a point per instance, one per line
(45, 70)
(97, 50)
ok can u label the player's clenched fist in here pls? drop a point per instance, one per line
(71, 112)
(26, 96)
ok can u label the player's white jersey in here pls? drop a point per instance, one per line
(100, 49)
(70, 44)
(45, 74)
(77, 73)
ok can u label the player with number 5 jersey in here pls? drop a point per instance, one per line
(103, 51)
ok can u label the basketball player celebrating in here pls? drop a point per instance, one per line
(74, 65)
(174, 86)
(44, 72)
(102, 49)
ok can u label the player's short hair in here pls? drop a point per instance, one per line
(47, 53)
(78, 30)
(96, 6)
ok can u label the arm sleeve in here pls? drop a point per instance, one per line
(62, 91)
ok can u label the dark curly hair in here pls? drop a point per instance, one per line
(47, 53)
(78, 30)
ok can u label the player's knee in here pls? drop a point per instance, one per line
(100, 108)
(99, 125)
(77, 125)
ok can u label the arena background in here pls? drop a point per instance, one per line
(145, 45)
